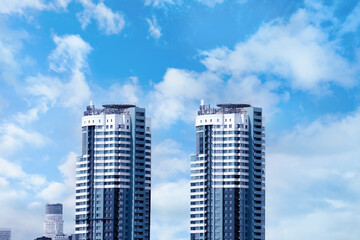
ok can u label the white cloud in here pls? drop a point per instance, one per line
(70, 53)
(169, 160)
(211, 3)
(108, 21)
(337, 204)
(25, 194)
(18, 6)
(161, 3)
(320, 224)
(163, 196)
(297, 50)
(70, 59)
(330, 136)
(164, 3)
(31, 115)
(77, 91)
(154, 28)
(127, 92)
(46, 87)
(62, 3)
(10, 170)
(13, 138)
(282, 56)
(68, 170)
(178, 95)
(170, 210)
(316, 168)
(61, 191)
(352, 21)
(14, 171)
(3, 182)
(11, 44)
(24, 6)
(54, 192)
(166, 230)
(21, 227)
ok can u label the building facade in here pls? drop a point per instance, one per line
(5, 234)
(53, 224)
(113, 175)
(228, 174)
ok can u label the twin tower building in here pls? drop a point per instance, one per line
(113, 175)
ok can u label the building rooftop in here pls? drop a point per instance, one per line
(109, 108)
(233, 105)
(224, 108)
(54, 208)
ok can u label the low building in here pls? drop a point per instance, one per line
(42, 238)
(5, 234)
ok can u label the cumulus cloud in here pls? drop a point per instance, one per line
(18, 6)
(164, 3)
(47, 87)
(14, 172)
(177, 96)
(63, 191)
(70, 53)
(62, 3)
(108, 21)
(129, 91)
(329, 224)
(170, 191)
(53, 192)
(352, 21)
(170, 209)
(281, 57)
(25, 194)
(69, 60)
(10, 170)
(68, 170)
(31, 115)
(60, 191)
(11, 44)
(13, 137)
(154, 28)
(161, 3)
(211, 3)
(23, 6)
(21, 227)
(169, 160)
(297, 51)
(315, 168)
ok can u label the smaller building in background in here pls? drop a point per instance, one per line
(5, 234)
(53, 225)
(43, 238)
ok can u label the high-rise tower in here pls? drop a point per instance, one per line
(53, 225)
(228, 174)
(113, 175)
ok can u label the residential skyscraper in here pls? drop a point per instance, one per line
(228, 174)
(5, 234)
(113, 175)
(53, 224)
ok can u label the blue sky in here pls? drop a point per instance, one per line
(299, 60)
